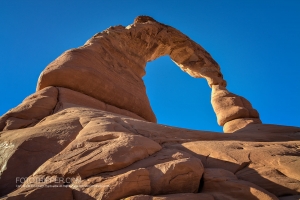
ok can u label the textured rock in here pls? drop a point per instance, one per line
(238, 124)
(95, 127)
(40, 187)
(110, 66)
(24, 150)
(128, 184)
(271, 165)
(177, 176)
(230, 107)
(69, 98)
(222, 184)
(100, 146)
(87, 136)
(124, 140)
(34, 108)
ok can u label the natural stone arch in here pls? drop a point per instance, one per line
(110, 66)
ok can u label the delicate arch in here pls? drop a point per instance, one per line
(110, 66)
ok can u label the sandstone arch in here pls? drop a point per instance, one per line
(110, 66)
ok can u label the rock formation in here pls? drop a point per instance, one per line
(89, 131)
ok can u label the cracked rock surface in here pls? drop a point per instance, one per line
(93, 136)
(110, 156)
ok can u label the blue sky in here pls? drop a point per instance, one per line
(256, 43)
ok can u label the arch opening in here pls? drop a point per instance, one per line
(178, 99)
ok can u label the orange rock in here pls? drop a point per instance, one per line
(229, 107)
(222, 184)
(102, 145)
(238, 124)
(33, 108)
(24, 150)
(106, 146)
(178, 176)
(110, 66)
(124, 185)
(91, 136)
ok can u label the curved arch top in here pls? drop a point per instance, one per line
(146, 40)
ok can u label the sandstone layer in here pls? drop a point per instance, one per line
(88, 131)
(93, 154)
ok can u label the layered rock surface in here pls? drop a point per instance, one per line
(109, 156)
(92, 136)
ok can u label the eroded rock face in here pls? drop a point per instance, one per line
(178, 176)
(233, 112)
(108, 152)
(33, 108)
(110, 66)
(88, 137)
(219, 183)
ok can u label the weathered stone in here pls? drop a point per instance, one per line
(86, 123)
(69, 98)
(237, 124)
(40, 187)
(229, 106)
(111, 133)
(271, 165)
(13, 123)
(110, 66)
(101, 146)
(176, 176)
(24, 150)
(124, 185)
(34, 108)
(222, 184)
(161, 157)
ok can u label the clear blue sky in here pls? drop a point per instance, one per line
(256, 43)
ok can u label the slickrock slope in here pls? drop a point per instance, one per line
(89, 132)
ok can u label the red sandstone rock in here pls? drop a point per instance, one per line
(233, 112)
(222, 184)
(124, 185)
(110, 66)
(34, 108)
(176, 176)
(229, 152)
(85, 137)
(101, 146)
(24, 150)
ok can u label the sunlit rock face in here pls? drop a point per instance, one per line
(110, 66)
(89, 131)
